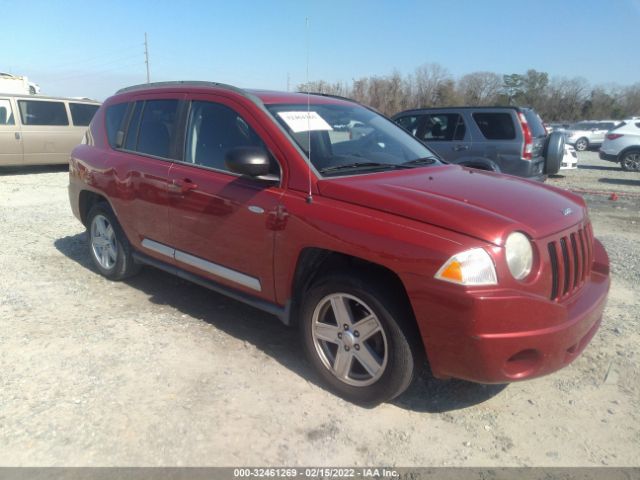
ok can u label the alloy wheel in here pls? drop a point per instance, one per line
(349, 339)
(103, 242)
(631, 162)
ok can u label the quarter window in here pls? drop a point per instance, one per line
(82, 113)
(113, 119)
(6, 113)
(213, 130)
(34, 112)
(495, 126)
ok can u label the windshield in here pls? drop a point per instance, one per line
(350, 139)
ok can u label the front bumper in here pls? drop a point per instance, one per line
(499, 337)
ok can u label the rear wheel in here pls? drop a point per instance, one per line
(108, 246)
(630, 161)
(358, 338)
(581, 144)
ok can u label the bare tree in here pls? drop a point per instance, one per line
(431, 85)
(427, 83)
(480, 88)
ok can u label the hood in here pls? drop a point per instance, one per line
(477, 203)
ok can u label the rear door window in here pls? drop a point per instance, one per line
(33, 112)
(82, 113)
(152, 128)
(607, 126)
(495, 125)
(6, 112)
(441, 127)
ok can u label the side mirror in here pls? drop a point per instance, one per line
(249, 161)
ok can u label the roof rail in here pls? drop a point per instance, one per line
(194, 83)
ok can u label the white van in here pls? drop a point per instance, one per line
(39, 130)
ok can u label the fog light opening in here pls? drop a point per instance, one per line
(522, 364)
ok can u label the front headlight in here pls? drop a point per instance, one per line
(471, 267)
(519, 255)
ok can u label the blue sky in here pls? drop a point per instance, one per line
(92, 48)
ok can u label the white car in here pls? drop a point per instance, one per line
(622, 145)
(583, 135)
(569, 159)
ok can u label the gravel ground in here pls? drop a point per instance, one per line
(156, 371)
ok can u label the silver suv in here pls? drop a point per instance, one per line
(583, 135)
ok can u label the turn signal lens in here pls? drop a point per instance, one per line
(471, 267)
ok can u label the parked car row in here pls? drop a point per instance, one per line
(39, 130)
(514, 140)
(381, 254)
(583, 135)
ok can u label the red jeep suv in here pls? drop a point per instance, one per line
(331, 217)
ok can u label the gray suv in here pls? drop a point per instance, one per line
(510, 140)
(583, 135)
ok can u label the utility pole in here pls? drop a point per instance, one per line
(146, 56)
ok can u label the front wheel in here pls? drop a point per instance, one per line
(630, 161)
(359, 338)
(108, 246)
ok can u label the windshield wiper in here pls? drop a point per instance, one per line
(347, 166)
(421, 161)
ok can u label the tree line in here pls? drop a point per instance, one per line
(431, 85)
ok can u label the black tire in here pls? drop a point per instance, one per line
(553, 153)
(630, 161)
(112, 244)
(394, 348)
(582, 144)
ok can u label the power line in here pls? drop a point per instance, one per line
(95, 74)
(103, 56)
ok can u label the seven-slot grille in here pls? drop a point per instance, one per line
(571, 256)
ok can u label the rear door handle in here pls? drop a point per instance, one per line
(458, 148)
(182, 186)
(17, 135)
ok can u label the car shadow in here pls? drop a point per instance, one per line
(269, 335)
(33, 169)
(431, 395)
(621, 181)
(596, 167)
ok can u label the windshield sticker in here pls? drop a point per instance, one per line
(304, 121)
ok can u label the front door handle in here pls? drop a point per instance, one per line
(458, 148)
(182, 186)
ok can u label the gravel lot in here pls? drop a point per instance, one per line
(156, 371)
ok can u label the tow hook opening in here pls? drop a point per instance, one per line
(522, 364)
